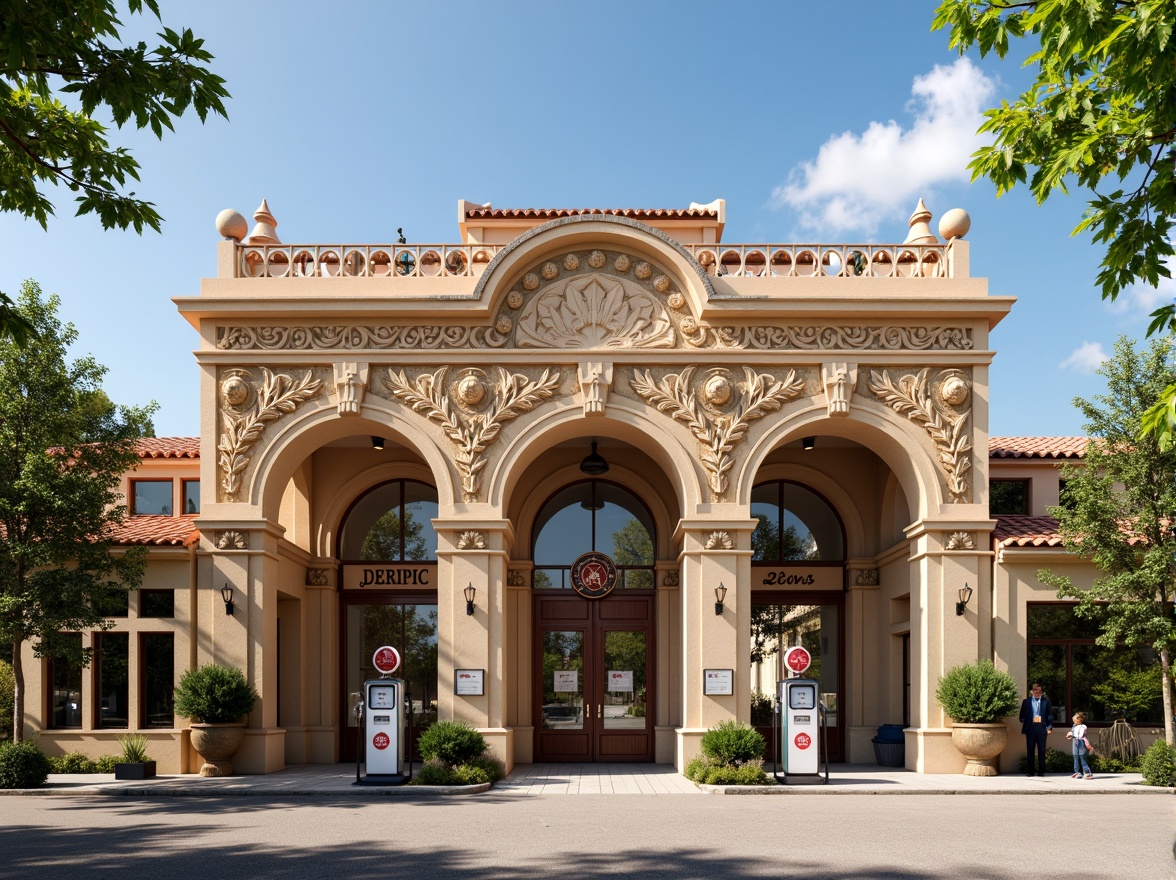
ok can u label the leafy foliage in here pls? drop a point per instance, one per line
(732, 743)
(214, 694)
(7, 691)
(66, 447)
(451, 742)
(1122, 513)
(134, 748)
(72, 48)
(707, 771)
(22, 765)
(1159, 764)
(977, 693)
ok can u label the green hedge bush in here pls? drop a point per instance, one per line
(706, 771)
(214, 694)
(451, 742)
(22, 765)
(732, 743)
(977, 693)
(1159, 764)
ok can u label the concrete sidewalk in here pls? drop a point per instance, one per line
(528, 780)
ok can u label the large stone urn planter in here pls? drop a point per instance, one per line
(217, 743)
(980, 744)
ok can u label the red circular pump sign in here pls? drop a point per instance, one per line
(386, 659)
(797, 659)
(803, 740)
(381, 741)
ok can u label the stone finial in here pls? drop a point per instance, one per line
(954, 224)
(920, 223)
(232, 225)
(265, 232)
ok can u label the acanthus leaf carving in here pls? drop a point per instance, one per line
(232, 540)
(278, 395)
(718, 433)
(960, 541)
(472, 433)
(471, 541)
(911, 396)
(719, 541)
(594, 311)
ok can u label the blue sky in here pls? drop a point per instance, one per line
(817, 122)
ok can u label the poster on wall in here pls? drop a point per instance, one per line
(620, 680)
(567, 681)
(718, 682)
(468, 682)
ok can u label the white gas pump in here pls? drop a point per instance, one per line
(801, 721)
(383, 710)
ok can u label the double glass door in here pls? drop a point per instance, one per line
(593, 669)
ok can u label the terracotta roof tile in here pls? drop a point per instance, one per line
(1026, 531)
(169, 447)
(554, 213)
(1036, 447)
(174, 531)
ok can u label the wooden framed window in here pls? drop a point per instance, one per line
(151, 498)
(190, 495)
(157, 603)
(65, 699)
(1008, 497)
(157, 669)
(111, 679)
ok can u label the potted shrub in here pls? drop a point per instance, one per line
(731, 753)
(215, 697)
(977, 697)
(134, 764)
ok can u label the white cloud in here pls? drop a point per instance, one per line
(1143, 299)
(856, 181)
(1086, 358)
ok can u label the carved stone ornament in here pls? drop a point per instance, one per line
(840, 380)
(354, 337)
(594, 311)
(277, 396)
(595, 381)
(472, 433)
(960, 541)
(232, 540)
(866, 577)
(719, 541)
(883, 338)
(954, 389)
(671, 578)
(318, 577)
(471, 541)
(515, 579)
(351, 381)
(717, 432)
(911, 396)
(514, 300)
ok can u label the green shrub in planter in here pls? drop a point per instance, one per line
(451, 742)
(732, 743)
(433, 773)
(214, 694)
(1159, 764)
(105, 764)
(22, 765)
(977, 693)
(134, 748)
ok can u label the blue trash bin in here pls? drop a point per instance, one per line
(890, 746)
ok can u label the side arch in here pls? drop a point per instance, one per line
(832, 491)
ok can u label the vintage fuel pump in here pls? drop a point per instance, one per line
(801, 722)
(384, 711)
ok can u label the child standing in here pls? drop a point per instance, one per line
(1079, 745)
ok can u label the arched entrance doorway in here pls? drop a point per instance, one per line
(593, 654)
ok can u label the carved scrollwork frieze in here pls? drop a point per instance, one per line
(857, 338)
(350, 337)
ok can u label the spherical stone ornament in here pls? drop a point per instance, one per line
(643, 270)
(530, 281)
(235, 390)
(596, 260)
(470, 390)
(954, 391)
(676, 301)
(571, 262)
(622, 263)
(514, 299)
(232, 225)
(954, 224)
(661, 283)
(550, 270)
(689, 325)
(503, 324)
(717, 390)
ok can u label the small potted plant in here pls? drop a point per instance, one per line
(134, 764)
(215, 697)
(977, 697)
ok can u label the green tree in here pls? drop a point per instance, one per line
(382, 542)
(1122, 513)
(1101, 112)
(64, 448)
(72, 49)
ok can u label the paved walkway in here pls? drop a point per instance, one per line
(334, 780)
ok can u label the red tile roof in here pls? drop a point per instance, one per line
(174, 531)
(553, 213)
(1036, 447)
(1026, 531)
(169, 447)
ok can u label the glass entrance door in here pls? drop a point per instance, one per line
(592, 687)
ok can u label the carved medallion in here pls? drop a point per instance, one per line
(471, 541)
(593, 575)
(594, 311)
(719, 541)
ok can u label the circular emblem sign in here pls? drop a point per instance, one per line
(381, 741)
(797, 659)
(803, 740)
(386, 659)
(593, 575)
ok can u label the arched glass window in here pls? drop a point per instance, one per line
(593, 515)
(795, 525)
(392, 523)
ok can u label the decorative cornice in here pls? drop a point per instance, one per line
(350, 337)
(858, 338)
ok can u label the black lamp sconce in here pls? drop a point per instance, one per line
(470, 592)
(965, 598)
(808, 443)
(594, 463)
(227, 595)
(720, 595)
(377, 442)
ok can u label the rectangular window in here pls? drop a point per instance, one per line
(111, 679)
(157, 603)
(151, 497)
(157, 675)
(114, 603)
(191, 492)
(66, 675)
(1008, 497)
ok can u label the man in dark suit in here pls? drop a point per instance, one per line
(1036, 723)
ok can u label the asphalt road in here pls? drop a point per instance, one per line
(849, 837)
